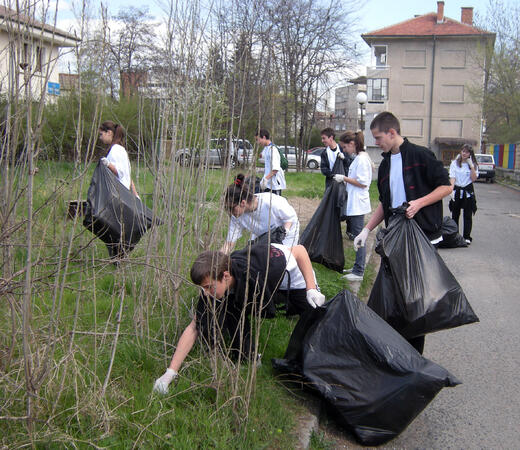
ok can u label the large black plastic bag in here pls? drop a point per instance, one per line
(322, 235)
(376, 381)
(451, 237)
(114, 214)
(414, 291)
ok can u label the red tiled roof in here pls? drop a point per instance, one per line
(426, 25)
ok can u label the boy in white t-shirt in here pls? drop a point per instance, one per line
(274, 176)
(408, 173)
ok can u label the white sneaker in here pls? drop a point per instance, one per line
(353, 277)
(467, 241)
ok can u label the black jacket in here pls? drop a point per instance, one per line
(341, 166)
(422, 173)
(258, 271)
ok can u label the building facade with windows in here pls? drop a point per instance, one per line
(425, 70)
(347, 111)
(29, 52)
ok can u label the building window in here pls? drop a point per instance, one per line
(380, 55)
(39, 59)
(452, 93)
(412, 127)
(415, 58)
(412, 93)
(377, 89)
(453, 59)
(450, 128)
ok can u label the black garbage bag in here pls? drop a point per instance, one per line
(114, 214)
(322, 235)
(275, 235)
(414, 291)
(451, 237)
(375, 380)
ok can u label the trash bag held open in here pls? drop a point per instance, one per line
(375, 380)
(322, 236)
(414, 291)
(114, 214)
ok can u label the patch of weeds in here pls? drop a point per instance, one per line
(320, 442)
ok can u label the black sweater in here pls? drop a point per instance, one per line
(422, 174)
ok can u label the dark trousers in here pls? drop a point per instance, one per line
(294, 301)
(467, 220)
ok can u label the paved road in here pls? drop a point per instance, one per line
(483, 412)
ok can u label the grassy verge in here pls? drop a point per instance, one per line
(101, 335)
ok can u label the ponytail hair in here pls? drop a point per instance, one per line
(357, 137)
(117, 130)
(239, 190)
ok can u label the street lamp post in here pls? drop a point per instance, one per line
(361, 98)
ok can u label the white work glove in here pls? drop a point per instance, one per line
(341, 155)
(315, 298)
(339, 178)
(105, 161)
(162, 383)
(263, 184)
(361, 238)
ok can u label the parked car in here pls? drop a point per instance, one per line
(312, 161)
(218, 153)
(486, 167)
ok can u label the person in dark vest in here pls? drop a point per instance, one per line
(237, 285)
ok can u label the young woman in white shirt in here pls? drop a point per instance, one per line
(113, 135)
(257, 214)
(463, 172)
(357, 185)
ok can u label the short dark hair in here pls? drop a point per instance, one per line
(210, 264)
(384, 121)
(262, 133)
(329, 132)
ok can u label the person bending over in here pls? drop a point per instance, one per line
(232, 288)
(257, 214)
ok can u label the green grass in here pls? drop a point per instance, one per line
(208, 409)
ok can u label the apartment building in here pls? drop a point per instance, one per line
(423, 70)
(29, 52)
(347, 110)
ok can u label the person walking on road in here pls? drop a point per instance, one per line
(408, 174)
(463, 172)
(358, 198)
(274, 177)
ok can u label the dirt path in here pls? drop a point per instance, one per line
(305, 208)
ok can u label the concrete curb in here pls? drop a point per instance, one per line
(309, 422)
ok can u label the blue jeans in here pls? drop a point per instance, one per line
(356, 225)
